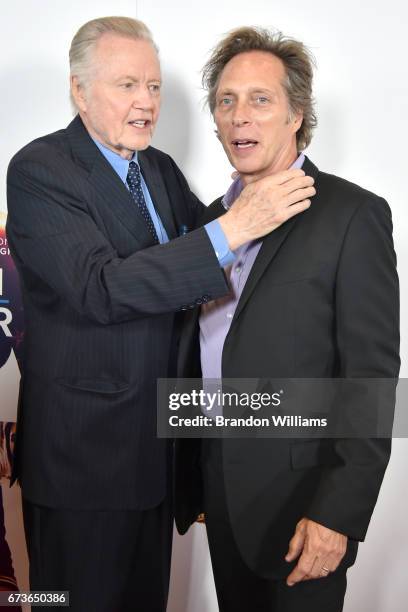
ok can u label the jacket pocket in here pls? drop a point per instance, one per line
(94, 385)
(312, 453)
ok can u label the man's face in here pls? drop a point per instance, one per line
(252, 115)
(120, 105)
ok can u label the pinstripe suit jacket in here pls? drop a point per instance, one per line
(100, 304)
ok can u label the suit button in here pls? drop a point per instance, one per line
(183, 307)
(191, 306)
(198, 302)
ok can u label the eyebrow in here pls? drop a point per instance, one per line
(135, 80)
(230, 91)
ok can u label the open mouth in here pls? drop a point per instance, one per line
(244, 143)
(140, 123)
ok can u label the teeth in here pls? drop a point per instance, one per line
(245, 145)
(139, 123)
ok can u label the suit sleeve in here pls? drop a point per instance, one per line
(367, 321)
(54, 240)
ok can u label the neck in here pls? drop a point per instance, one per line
(283, 162)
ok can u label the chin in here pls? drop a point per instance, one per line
(247, 168)
(141, 146)
(138, 144)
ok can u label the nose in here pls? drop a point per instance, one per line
(143, 98)
(241, 114)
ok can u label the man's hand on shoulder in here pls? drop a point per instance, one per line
(265, 204)
(321, 549)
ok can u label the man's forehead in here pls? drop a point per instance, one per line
(252, 71)
(112, 45)
(127, 56)
(254, 62)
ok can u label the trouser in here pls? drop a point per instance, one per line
(109, 561)
(238, 588)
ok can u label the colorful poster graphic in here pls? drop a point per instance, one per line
(11, 309)
(12, 549)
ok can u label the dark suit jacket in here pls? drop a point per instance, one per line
(99, 309)
(321, 301)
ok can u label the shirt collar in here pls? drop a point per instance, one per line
(120, 165)
(237, 186)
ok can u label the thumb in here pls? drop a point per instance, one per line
(296, 544)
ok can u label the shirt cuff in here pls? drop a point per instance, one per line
(220, 244)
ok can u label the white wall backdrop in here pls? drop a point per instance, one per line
(362, 95)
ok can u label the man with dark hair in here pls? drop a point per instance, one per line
(318, 298)
(96, 224)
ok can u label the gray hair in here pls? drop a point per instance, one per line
(84, 42)
(297, 61)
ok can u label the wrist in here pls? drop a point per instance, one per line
(228, 226)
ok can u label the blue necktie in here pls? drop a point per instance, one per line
(133, 179)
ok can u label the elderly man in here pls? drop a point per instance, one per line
(318, 298)
(97, 227)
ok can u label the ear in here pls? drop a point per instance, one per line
(78, 93)
(297, 121)
(216, 132)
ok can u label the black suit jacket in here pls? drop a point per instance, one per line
(99, 309)
(321, 301)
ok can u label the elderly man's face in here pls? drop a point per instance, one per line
(252, 115)
(120, 105)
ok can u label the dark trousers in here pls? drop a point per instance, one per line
(238, 588)
(109, 561)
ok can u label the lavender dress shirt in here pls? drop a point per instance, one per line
(216, 316)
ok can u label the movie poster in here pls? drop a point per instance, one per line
(13, 558)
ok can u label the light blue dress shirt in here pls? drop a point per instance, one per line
(214, 230)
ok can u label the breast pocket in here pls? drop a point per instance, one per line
(94, 385)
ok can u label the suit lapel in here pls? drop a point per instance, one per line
(109, 186)
(270, 246)
(158, 192)
(215, 210)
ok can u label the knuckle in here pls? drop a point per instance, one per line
(280, 217)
